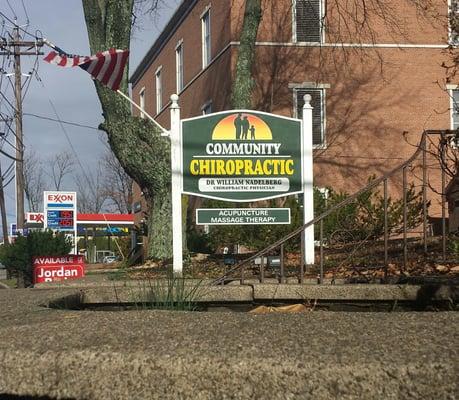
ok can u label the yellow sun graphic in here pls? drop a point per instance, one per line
(242, 126)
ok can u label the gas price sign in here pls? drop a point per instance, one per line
(60, 212)
(61, 220)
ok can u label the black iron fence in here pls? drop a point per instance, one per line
(380, 233)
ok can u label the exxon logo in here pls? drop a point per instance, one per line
(35, 218)
(60, 198)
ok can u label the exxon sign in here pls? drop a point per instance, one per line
(60, 212)
(60, 198)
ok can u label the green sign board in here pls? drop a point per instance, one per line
(242, 216)
(242, 156)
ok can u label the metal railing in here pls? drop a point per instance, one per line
(344, 252)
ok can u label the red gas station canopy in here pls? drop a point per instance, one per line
(103, 219)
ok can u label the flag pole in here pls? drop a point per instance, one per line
(164, 131)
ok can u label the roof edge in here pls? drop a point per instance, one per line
(176, 20)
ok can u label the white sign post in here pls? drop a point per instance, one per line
(176, 171)
(308, 193)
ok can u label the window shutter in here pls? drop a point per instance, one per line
(317, 113)
(308, 21)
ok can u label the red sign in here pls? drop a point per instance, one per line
(53, 269)
(35, 218)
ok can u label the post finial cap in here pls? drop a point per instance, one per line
(174, 100)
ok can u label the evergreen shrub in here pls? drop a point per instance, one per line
(17, 257)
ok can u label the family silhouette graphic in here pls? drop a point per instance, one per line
(242, 126)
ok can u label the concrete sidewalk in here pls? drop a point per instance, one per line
(185, 355)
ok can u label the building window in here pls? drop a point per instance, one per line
(207, 108)
(206, 50)
(455, 109)
(179, 66)
(307, 21)
(453, 20)
(318, 112)
(137, 207)
(159, 91)
(142, 101)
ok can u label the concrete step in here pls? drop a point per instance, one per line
(269, 292)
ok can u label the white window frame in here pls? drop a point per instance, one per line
(179, 66)
(313, 86)
(206, 46)
(321, 16)
(142, 101)
(159, 90)
(450, 88)
(451, 41)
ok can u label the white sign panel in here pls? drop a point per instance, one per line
(244, 185)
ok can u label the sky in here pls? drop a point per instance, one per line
(69, 92)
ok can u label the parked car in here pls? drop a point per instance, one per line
(109, 259)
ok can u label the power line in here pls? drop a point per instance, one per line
(12, 10)
(8, 101)
(26, 84)
(14, 47)
(8, 124)
(9, 181)
(17, 26)
(63, 129)
(3, 28)
(11, 144)
(9, 156)
(25, 12)
(61, 121)
(8, 170)
(2, 69)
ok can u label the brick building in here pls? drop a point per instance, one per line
(372, 77)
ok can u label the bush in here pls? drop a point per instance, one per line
(453, 245)
(198, 242)
(363, 219)
(17, 257)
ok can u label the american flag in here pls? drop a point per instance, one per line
(106, 66)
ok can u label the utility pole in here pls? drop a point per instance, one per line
(19, 141)
(14, 47)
